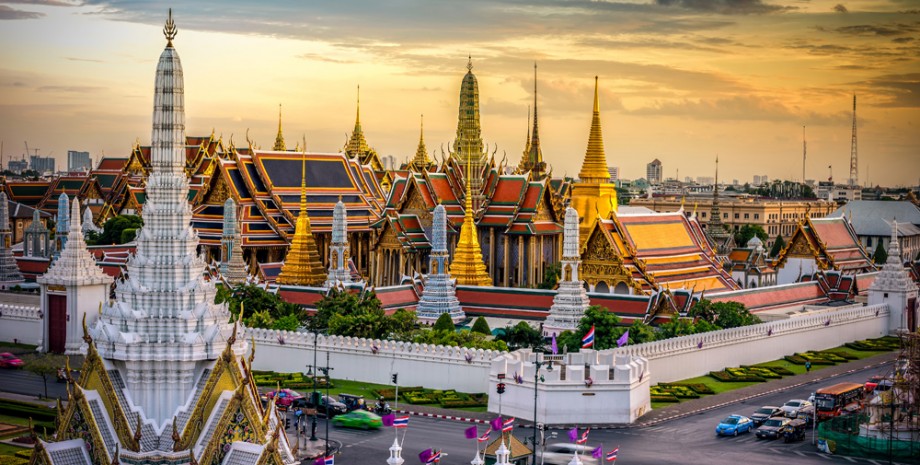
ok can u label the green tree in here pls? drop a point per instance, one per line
(676, 327)
(262, 308)
(444, 323)
(640, 332)
(623, 196)
(128, 235)
(880, 256)
(113, 228)
(551, 276)
(467, 339)
(522, 335)
(748, 231)
(287, 323)
(723, 314)
(481, 326)
(44, 365)
(401, 324)
(345, 303)
(778, 245)
(606, 325)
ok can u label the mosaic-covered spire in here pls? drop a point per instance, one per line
(279, 138)
(232, 265)
(468, 267)
(468, 147)
(439, 295)
(594, 168)
(338, 249)
(9, 271)
(63, 224)
(302, 265)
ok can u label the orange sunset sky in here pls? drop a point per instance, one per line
(681, 80)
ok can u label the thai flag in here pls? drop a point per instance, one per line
(401, 422)
(508, 425)
(584, 437)
(485, 436)
(588, 341)
(435, 457)
(612, 455)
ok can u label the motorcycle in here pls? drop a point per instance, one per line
(382, 409)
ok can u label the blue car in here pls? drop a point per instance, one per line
(734, 425)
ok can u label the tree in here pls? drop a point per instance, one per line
(345, 303)
(44, 365)
(481, 326)
(778, 245)
(444, 323)
(623, 196)
(880, 256)
(458, 339)
(113, 229)
(748, 231)
(522, 335)
(401, 324)
(722, 315)
(606, 325)
(640, 332)
(551, 276)
(262, 308)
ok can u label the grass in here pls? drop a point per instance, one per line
(358, 388)
(6, 449)
(13, 420)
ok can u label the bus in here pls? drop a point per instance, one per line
(839, 399)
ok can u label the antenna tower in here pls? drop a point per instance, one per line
(854, 170)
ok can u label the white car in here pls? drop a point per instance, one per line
(562, 453)
(791, 409)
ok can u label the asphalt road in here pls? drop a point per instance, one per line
(24, 382)
(689, 440)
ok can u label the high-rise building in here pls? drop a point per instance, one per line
(17, 166)
(653, 172)
(78, 161)
(41, 164)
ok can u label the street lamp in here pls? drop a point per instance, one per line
(313, 395)
(325, 371)
(536, 379)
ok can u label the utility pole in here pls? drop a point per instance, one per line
(854, 166)
(804, 152)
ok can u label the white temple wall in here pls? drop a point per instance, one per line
(20, 318)
(696, 355)
(435, 367)
(794, 268)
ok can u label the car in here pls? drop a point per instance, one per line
(791, 408)
(8, 360)
(361, 419)
(872, 383)
(765, 412)
(353, 402)
(733, 425)
(285, 397)
(772, 428)
(562, 453)
(324, 405)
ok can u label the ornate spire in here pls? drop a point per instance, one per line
(338, 250)
(302, 265)
(232, 265)
(421, 160)
(715, 215)
(170, 30)
(571, 300)
(468, 146)
(279, 139)
(594, 169)
(76, 266)
(467, 267)
(9, 271)
(439, 295)
(357, 144)
(535, 155)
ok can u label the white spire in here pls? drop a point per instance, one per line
(76, 266)
(571, 299)
(395, 454)
(338, 249)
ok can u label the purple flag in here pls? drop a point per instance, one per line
(471, 432)
(496, 424)
(599, 452)
(573, 434)
(319, 461)
(624, 339)
(554, 346)
(425, 455)
(699, 345)
(388, 419)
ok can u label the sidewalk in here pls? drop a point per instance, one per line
(52, 403)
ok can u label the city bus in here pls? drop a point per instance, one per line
(839, 399)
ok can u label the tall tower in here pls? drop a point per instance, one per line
(854, 165)
(467, 266)
(63, 224)
(421, 161)
(534, 157)
(571, 300)
(9, 271)
(468, 148)
(279, 138)
(232, 265)
(439, 295)
(593, 195)
(302, 265)
(338, 249)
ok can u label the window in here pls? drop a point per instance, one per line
(869, 241)
(756, 216)
(747, 215)
(703, 214)
(736, 216)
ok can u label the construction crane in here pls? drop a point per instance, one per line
(28, 152)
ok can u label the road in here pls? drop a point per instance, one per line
(27, 383)
(689, 440)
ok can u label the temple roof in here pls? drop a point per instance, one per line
(874, 217)
(831, 242)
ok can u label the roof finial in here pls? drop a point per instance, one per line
(170, 30)
(358, 114)
(469, 63)
(279, 138)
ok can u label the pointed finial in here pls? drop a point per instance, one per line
(86, 337)
(170, 30)
(597, 107)
(358, 115)
(469, 64)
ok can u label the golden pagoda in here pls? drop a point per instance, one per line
(279, 139)
(532, 160)
(593, 195)
(421, 161)
(302, 266)
(467, 266)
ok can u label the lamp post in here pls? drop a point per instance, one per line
(313, 394)
(325, 371)
(536, 379)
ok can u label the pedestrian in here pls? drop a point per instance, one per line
(807, 366)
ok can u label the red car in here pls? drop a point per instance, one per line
(285, 397)
(872, 383)
(8, 360)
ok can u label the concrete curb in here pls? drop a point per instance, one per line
(443, 417)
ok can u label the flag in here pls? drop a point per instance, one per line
(573, 434)
(612, 455)
(470, 432)
(588, 341)
(624, 339)
(401, 422)
(328, 460)
(508, 425)
(554, 346)
(584, 437)
(598, 452)
(496, 424)
(388, 419)
(434, 458)
(485, 436)
(699, 345)
(425, 455)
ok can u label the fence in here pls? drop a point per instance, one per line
(849, 436)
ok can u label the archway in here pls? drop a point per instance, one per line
(621, 288)
(602, 287)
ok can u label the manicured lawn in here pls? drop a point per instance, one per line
(716, 385)
(11, 420)
(6, 449)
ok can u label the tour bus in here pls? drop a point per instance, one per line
(839, 399)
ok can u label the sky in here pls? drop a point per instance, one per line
(683, 81)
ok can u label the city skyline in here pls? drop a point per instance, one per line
(677, 79)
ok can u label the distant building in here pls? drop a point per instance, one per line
(614, 173)
(827, 190)
(706, 180)
(41, 164)
(78, 161)
(18, 166)
(872, 220)
(653, 172)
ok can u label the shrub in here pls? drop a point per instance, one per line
(481, 326)
(796, 359)
(699, 388)
(664, 398)
(13, 460)
(26, 410)
(781, 371)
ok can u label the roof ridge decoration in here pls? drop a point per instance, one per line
(302, 265)
(421, 161)
(279, 139)
(467, 266)
(594, 168)
(170, 30)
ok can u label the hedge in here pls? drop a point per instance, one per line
(657, 398)
(12, 460)
(781, 371)
(25, 453)
(700, 388)
(26, 410)
(884, 344)
(727, 377)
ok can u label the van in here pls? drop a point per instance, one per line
(562, 453)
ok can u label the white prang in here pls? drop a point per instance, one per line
(338, 249)
(232, 265)
(75, 277)
(571, 300)
(88, 224)
(894, 287)
(9, 271)
(163, 328)
(439, 295)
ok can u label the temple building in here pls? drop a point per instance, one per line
(593, 195)
(749, 265)
(357, 149)
(164, 380)
(822, 244)
(722, 237)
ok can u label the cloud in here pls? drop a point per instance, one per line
(877, 30)
(12, 14)
(46, 2)
(726, 7)
(839, 8)
(69, 89)
(902, 40)
(90, 60)
(897, 90)
(737, 108)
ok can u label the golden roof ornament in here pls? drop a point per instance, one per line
(86, 337)
(279, 138)
(191, 457)
(137, 431)
(594, 168)
(170, 30)
(302, 265)
(468, 267)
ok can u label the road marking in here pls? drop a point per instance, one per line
(873, 461)
(849, 458)
(802, 454)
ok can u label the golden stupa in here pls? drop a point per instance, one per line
(593, 195)
(467, 266)
(302, 266)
